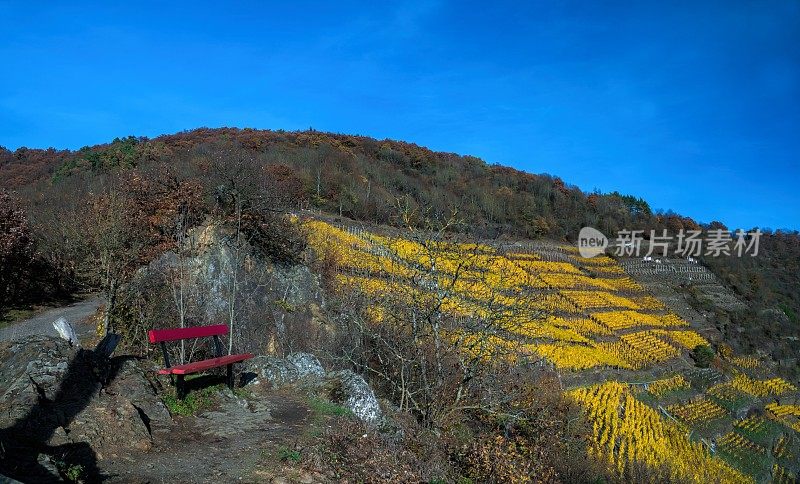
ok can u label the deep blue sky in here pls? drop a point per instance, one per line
(693, 105)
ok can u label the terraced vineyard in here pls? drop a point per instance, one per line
(587, 319)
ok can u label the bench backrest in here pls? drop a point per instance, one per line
(175, 334)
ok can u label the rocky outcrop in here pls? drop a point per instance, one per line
(269, 370)
(59, 400)
(277, 304)
(306, 364)
(352, 392)
(343, 387)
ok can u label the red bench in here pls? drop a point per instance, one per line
(177, 334)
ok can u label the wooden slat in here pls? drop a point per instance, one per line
(204, 365)
(174, 334)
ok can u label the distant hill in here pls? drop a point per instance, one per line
(361, 178)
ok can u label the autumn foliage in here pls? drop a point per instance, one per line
(16, 249)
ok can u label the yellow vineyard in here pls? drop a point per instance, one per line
(628, 432)
(577, 315)
(666, 385)
(573, 316)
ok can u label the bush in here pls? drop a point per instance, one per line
(703, 355)
(192, 403)
(275, 236)
(16, 250)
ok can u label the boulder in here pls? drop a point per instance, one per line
(276, 372)
(343, 387)
(350, 390)
(66, 331)
(306, 364)
(124, 415)
(269, 370)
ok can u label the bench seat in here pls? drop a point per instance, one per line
(204, 365)
(161, 336)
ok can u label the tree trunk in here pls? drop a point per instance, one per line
(111, 299)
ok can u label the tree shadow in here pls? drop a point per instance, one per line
(25, 450)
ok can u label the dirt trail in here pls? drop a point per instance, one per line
(75, 313)
(227, 444)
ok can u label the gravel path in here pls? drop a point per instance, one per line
(42, 323)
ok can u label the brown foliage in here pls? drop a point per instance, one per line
(166, 206)
(26, 165)
(17, 250)
(497, 458)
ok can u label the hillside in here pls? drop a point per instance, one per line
(613, 344)
(364, 179)
(455, 287)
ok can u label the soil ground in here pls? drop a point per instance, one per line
(250, 436)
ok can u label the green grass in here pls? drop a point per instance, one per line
(193, 403)
(765, 435)
(665, 399)
(70, 472)
(733, 400)
(74, 472)
(754, 464)
(322, 407)
(15, 315)
(286, 454)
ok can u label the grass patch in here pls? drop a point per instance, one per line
(764, 434)
(193, 403)
(286, 454)
(665, 399)
(755, 464)
(70, 472)
(320, 411)
(322, 407)
(15, 315)
(730, 398)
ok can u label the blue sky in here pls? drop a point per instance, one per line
(693, 105)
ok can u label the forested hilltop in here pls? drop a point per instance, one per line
(360, 178)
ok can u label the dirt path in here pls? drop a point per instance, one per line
(42, 323)
(229, 443)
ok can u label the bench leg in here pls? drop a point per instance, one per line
(180, 387)
(230, 376)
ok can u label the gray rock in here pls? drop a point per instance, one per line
(342, 387)
(269, 370)
(48, 466)
(352, 391)
(274, 371)
(307, 364)
(31, 369)
(66, 331)
(56, 394)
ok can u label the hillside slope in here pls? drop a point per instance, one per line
(622, 353)
(450, 283)
(366, 179)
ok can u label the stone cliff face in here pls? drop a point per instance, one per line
(218, 277)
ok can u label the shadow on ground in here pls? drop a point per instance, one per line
(24, 451)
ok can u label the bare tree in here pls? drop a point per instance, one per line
(114, 240)
(442, 320)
